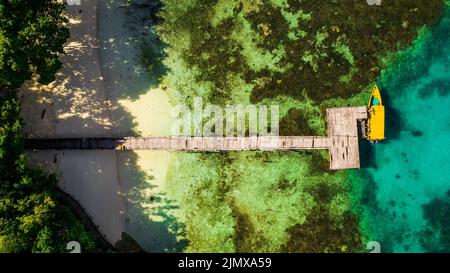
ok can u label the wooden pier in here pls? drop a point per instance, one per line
(342, 141)
(343, 136)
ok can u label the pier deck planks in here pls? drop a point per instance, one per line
(342, 141)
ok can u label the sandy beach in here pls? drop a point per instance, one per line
(104, 90)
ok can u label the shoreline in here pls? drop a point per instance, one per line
(84, 111)
(88, 99)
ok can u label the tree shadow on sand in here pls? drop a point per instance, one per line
(130, 48)
(126, 62)
(131, 55)
(150, 214)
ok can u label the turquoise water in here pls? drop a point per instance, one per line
(406, 182)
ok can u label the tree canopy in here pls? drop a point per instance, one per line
(32, 219)
(32, 35)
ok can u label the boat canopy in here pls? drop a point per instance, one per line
(376, 124)
(377, 117)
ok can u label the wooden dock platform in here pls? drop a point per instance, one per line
(343, 136)
(342, 141)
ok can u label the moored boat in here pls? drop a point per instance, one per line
(376, 120)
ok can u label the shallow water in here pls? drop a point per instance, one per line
(411, 168)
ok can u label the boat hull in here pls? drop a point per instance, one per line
(376, 121)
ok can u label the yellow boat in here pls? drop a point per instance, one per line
(376, 121)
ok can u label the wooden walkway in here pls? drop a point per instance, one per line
(342, 141)
(181, 143)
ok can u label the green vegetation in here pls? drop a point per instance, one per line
(32, 35)
(303, 49)
(262, 202)
(304, 55)
(32, 218)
